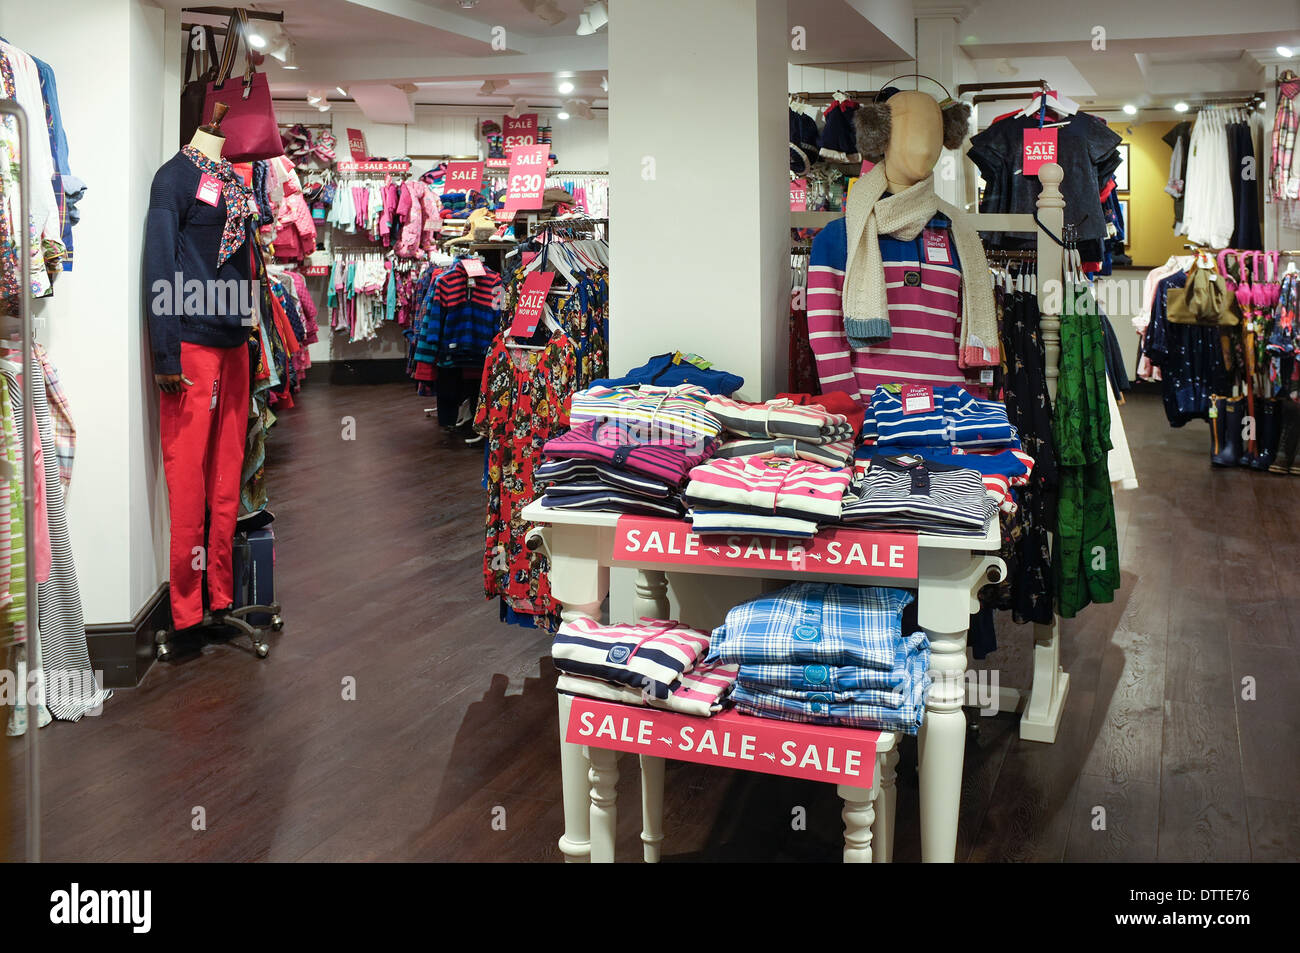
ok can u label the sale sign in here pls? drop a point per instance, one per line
(532, 300)
(518, 131)
(526, 180)
(463, 177)
(357, 145)
(1040, 148)
(729, 740)
(845, 552)
(799, 195)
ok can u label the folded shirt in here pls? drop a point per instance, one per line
(621, 447)
(781, 418)
(911, 691)
(837, 402)
(613, 501)
(958, 419)
(906, 718)
(790, 487)
(831, 623)
(991, 465)
(668, 370)
(713, 522)
(701, 691)
(575, 471)
(835, 454)
(649, 656)
(840, 678)
(907, 491)
(653, 414)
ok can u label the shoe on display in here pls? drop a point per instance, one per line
(465, 414)
(1225, 430)
(1288, 437)
(1266, 433)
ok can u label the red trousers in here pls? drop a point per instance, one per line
(203, 433)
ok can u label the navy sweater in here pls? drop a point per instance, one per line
(210, 306)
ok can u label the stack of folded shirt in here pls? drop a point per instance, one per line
(610, 467)
(1001, 470)
(907, 493)
(675, 415)
(957, 420)
(772, 496)
(785, 428)
(827, 654)
(654, 662)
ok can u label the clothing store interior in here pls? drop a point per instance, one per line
(568, 431)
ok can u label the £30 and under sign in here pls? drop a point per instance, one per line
(526, 181)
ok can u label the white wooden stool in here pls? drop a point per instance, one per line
(865, 824)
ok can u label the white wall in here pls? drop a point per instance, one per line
(93, 327)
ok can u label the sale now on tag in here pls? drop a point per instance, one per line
(357, 145)
(518, 131)
(799, 195)
(729, 740)
(463, 177)
(526, 181)
(532, 299)
(917, 398)
(1040, 147)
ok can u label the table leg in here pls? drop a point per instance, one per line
(882, 832)
(859, 815)
(652, 594)
(575, 842)
(652, 807)
(604, 803)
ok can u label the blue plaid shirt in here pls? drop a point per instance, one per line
(841, 678)
(815, 622)
(821, 708)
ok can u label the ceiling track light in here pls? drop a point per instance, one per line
(1130, 109)
(565, 87)
(1285, 51)
(593, 17)
(342, 92)
(1180, 107)
(315, 97)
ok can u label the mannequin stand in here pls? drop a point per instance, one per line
(231, 619)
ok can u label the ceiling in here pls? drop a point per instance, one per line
(446, 51)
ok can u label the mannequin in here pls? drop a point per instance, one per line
(916, 139)
(199, 265)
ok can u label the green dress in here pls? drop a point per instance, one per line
(1086, 551)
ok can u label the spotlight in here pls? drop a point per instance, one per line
(593, 17)
(604, 84)
(517, 106)
(290, 57)
(1130, 109)
(315, 96)
(490, 86)
(1180, 107)
(1285, 51)
(256, 40)
(561, 115)
(342, 92)
(565, 88)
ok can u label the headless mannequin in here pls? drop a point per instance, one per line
(208, 140)
(915, 140)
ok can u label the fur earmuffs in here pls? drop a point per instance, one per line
(871, 126)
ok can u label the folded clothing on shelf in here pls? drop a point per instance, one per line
(906, 492)
(605, 500)
(795, 489)
(956, 419)
(649, 656)
(701, 691)
(575, 472)
(668, 370)
(622, 446)
(819, 677)
(653, 414)
(810, 423)
(827, 454)
(713, 522)
(830, 709)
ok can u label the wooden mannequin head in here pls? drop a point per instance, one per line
(208, 138)
(915, 138)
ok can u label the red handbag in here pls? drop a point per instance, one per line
(249, 126)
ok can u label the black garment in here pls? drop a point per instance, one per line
(183, 238)
(1246, 171)
(1115, 370)
(451, 390)
(1029, 591)
(1181, 131)
(1085, 151)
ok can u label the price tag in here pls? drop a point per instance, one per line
(917, 398)
(209, 189)
(1040, 147)
(799, 195)
(518, 131)
(463, 177)
(986, 375)
(532, 299)
(867, 166)
(936, 247)
(473, 267)
(526, 180)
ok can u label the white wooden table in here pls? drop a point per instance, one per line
(949, 572)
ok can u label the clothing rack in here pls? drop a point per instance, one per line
(1008, 90)
(1044, 701)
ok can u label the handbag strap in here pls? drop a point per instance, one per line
(234, 33)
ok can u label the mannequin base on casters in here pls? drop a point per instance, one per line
(236, 619)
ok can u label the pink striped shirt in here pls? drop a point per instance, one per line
(768, 485)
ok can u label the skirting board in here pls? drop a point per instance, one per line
(123, 651)
(381, 370)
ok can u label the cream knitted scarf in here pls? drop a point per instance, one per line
(903, 216)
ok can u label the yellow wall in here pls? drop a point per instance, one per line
(1151, 208)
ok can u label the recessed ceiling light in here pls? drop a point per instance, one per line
(1130, 109)
(565, 87)
(342, 91)
(1285, 51)
(561, 115)
(1180, 107)
(256, 42)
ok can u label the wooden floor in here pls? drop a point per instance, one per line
(378, 568)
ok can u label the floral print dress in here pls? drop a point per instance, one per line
(524, 401)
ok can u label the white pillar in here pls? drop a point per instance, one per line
(699, 195)
(93, 326)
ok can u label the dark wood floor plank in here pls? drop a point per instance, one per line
(1202, 801)
(1114, 821)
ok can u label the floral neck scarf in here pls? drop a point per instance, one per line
(241, 206)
